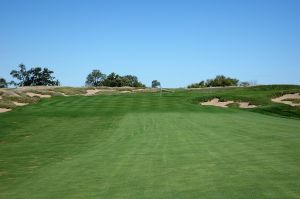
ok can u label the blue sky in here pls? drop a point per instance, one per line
(176, 42)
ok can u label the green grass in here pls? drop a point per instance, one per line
(147, 146)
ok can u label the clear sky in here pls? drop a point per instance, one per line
(176, 42)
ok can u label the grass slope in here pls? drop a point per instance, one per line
(146, 146)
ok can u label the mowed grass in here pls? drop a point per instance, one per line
(147, 146)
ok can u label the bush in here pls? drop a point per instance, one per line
(96, 78)
(218, 81)
(3, 83)
(197, 85)
(245, 84)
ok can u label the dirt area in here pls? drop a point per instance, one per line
(216, 102)
(37, 95)
(63, 94)
(92, 92)
(20, 104)
(285, 99)
(125, 91)
(3, 110)
(246, 105)
(105, 91)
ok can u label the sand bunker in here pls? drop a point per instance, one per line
(91, 92)
(125, 91)
(245, 105)
(285, 99)
(63, 94)
(3, 110)
(96, 91)
(38, 95)
(19, 104)
(216, 102)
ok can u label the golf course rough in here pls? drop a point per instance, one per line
(146, 146)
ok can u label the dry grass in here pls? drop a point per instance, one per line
(9, 97)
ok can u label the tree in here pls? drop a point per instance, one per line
(155, 84)
(113, 80)
(3, 83)
(95, 78)
(41, 77)
(245, 84)
(34, 77)
(197, 85)
(219, 80)
(21, 75)
(132, 81)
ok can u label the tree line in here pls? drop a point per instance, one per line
(97, 78)
(219, 81)
(39, 76)
(36, 76)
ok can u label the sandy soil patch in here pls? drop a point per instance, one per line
(216, 102)
(37, 95)
(125, 91)
(63, 94)
(0, 97)
(10, 93)
(283, 99)
(96, 91)
(140, 89)
(91, 92)
(3, 110)
(28, 88)
(246, 105)
(19, 104)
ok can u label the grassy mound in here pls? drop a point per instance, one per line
(259, 95)
(141, 145)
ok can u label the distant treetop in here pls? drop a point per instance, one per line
(155, 84)
(97, 78)
(218, 81)
(34, 77)
(3, 83)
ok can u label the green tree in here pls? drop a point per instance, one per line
(155, 84)
(3, 83)
(41, 77)
(197, 85)
(34, 77)
(132, 81)
(245, 84)
(21, 75)
(221, 80)
(95, 78)
(113, 80)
